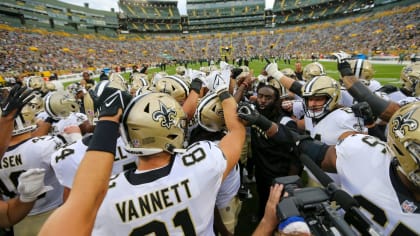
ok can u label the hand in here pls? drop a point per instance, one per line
(111, 100)
(273, 71)
(249, 113)
(198, 80)
(18, 97)
(31, 185)
(216, 81)
(224, 65)
(342, 65)
(342, 56)
(364, 111)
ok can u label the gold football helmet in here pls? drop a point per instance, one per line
(180, 70)
(311, 70)
(276, 84)
(35, 82)
(410, 78)
(25, 121)
(363, 70)
(152, 123)
(317, 87)
(404, 140)
(117, 81)
(144, 90)
(174, 86)
(138, 81)
(289, 73)
(209, 113)
(60, 104)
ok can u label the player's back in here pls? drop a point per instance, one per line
(32, 153)
(67, 159)
(177, 199)
(364, 166)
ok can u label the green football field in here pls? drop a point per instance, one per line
(384, 73)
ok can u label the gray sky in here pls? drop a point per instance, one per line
(96, 4)
(108, 4)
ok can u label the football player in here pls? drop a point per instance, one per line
(211, 127)
(165, 193)
(30, 187)
(312, 70)
(383, 177)
(66, 160)
(179, 178)
(23, 153)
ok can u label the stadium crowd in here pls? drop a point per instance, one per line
(384, 32)
(166, 154)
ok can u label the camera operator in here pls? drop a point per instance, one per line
(270, 222)
(384, 178)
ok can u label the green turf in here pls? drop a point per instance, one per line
(384, 73)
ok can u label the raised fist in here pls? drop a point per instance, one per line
(217, 81)
(342, 56)
(110, 100)
(342, 65)
(273, 71)
(248, 112)
(18, 97)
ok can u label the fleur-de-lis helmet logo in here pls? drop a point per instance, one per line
(404, 123)
(166, 116)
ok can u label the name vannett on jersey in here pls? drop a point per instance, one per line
(11, 161)
(153, 202)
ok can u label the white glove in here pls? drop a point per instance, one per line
(225, 66)
(262, 79)
(216, 81)
(273, 71)
(342, 56)
(198, 74)
(31, 185)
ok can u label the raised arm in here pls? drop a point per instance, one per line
(77, 215)
(18, 97)
(232, 143)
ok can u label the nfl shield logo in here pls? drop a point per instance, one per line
(408, 207)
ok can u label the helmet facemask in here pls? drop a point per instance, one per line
(321, 86)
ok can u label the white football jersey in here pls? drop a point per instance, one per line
(229, 188)
(74, 119)
(177, 199)
(32, 153)
(346, 99)
(363, 164)
(67, 159)
(329, 128)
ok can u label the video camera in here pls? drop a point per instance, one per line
(314, 205)
(327, 210)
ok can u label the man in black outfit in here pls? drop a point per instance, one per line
(271, 143)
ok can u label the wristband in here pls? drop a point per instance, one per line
(224, 95)
(196, 85)
(264, 123)
(104, 137)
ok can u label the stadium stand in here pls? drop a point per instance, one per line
(90, 38)
(59, 16)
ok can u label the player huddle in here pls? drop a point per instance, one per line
(164, 155)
